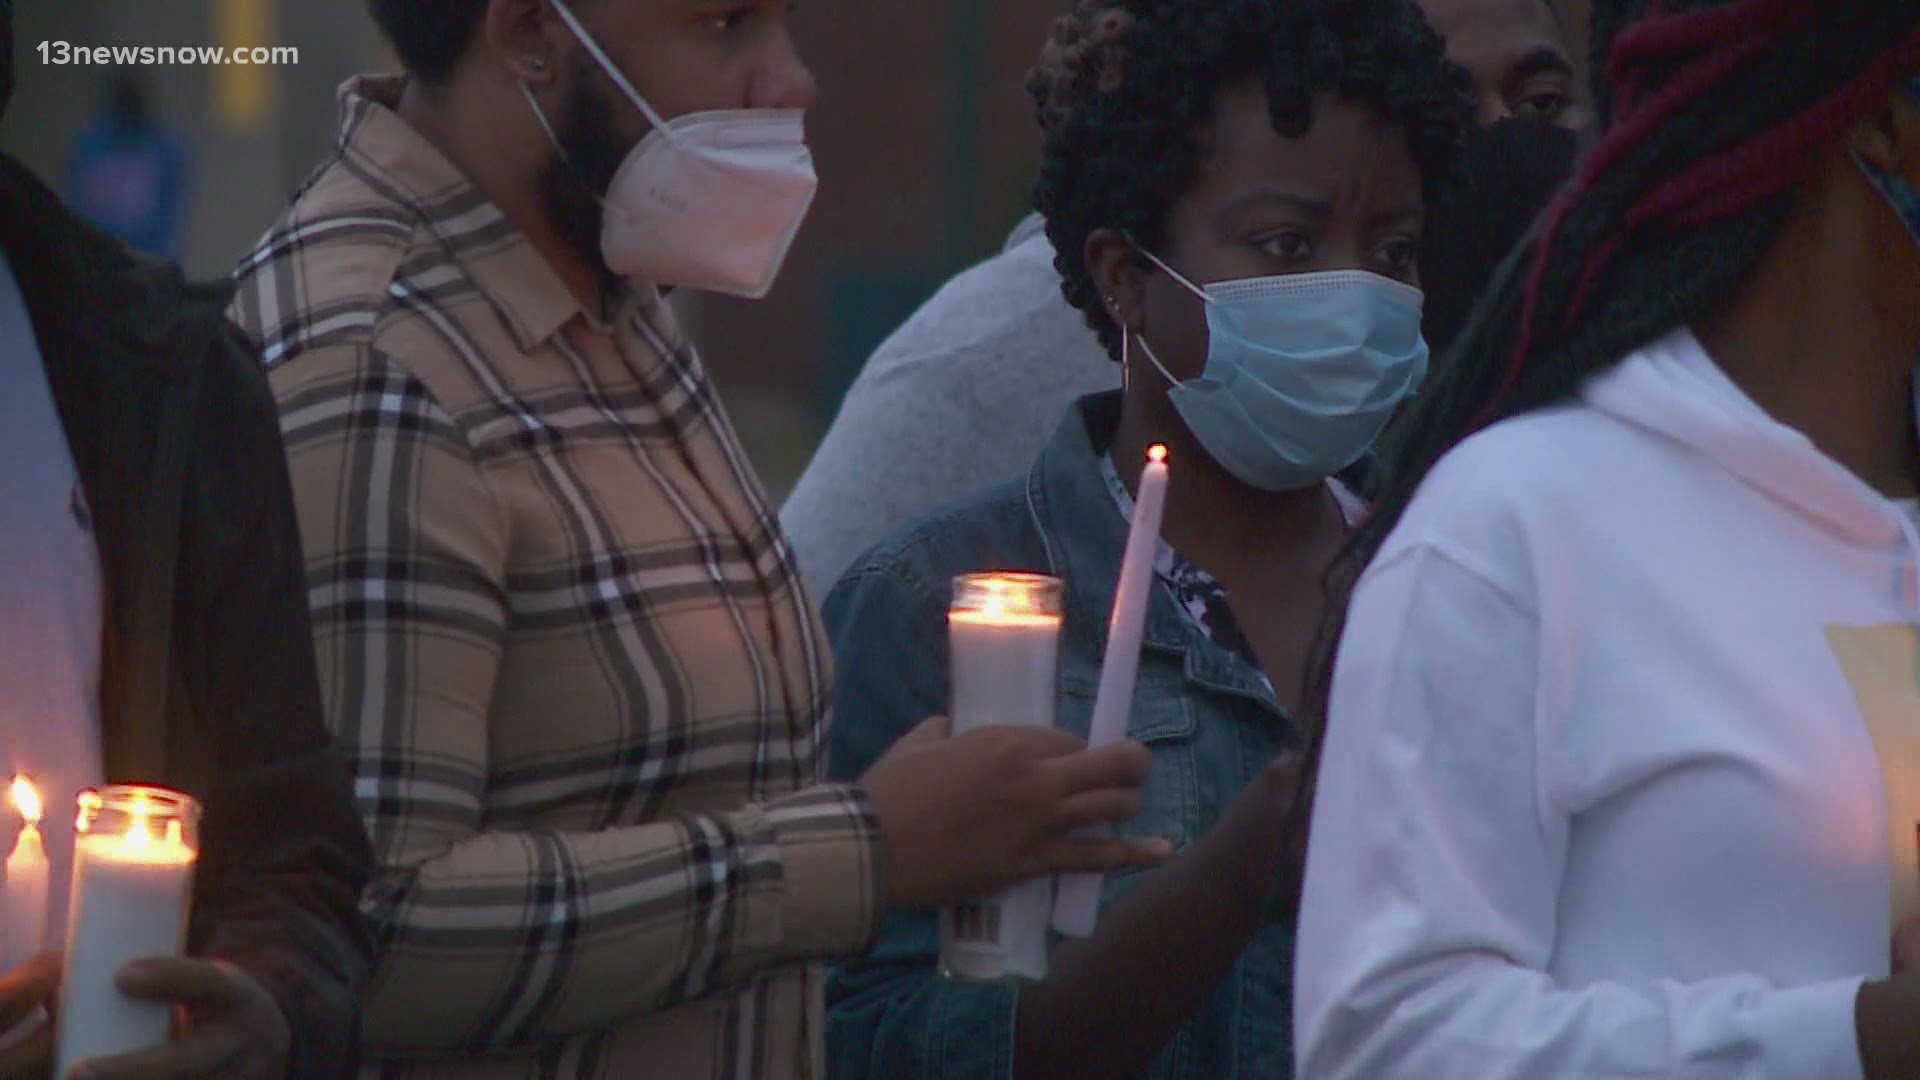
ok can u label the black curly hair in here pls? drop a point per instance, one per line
(429, 36)
(1125, 92)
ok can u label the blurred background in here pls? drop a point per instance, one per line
(923, 136)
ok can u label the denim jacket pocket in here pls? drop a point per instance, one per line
(1163, 721)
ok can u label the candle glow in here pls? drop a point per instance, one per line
(138, 843)
(1008, 600)
(1003, 637)
(90, 805)
(27, 880)
(134, 855)
(26, 799)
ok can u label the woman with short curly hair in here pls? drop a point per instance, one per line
(1236, 189)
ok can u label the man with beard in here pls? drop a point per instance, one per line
(966, 392)
(558, 629)
(1516, 51)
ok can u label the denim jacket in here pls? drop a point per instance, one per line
(1205, 713)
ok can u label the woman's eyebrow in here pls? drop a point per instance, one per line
(1543, 60)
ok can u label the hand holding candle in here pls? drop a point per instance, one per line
(1077, 901)
(26, 882)
(134, 858)
(1004, 639)
(229, 1017)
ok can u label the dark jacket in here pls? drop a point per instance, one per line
(208, 682)
(1208, 716)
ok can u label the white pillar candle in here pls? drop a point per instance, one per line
(1077, 903)
(133, 866)
(25, 932)
(1004, 641)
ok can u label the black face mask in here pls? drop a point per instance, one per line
(1508, 174)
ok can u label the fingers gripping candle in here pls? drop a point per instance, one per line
(134, 856)
(1004, 640)
(1077, 902)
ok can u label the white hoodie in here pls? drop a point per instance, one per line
(1603, 793)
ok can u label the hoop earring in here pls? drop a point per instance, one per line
(1126, 360)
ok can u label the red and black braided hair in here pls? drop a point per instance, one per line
(1712, 114)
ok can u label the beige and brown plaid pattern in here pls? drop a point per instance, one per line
(562, 637)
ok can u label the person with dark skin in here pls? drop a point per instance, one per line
(129, 173)
(1617, 774)
(584, 712)
(1296, 169)
(1508, 174)
(913, 431)
(156, 632)
(1349, 196)
(1517, 51)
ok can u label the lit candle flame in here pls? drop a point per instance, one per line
(139, 834)
(1157, 453)
(26, 799)
(995, 605)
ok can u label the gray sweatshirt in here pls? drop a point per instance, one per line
(963, 395)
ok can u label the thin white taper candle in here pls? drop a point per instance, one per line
(1076, 903)
(25, 934)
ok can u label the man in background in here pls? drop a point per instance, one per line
(1507, 175)
(1517, 53)
(128, 173)
(969, 388)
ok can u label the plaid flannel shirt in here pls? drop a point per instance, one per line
(562, 638)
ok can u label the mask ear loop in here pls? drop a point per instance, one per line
(1176, 275)
(554, 138)
(545, 125)
(1126, 343)
(1168, 270)
(1126, 351)
(1157, 365)
(607, 65)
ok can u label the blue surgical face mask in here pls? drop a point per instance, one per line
(1303, 371)
(1900, 192)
